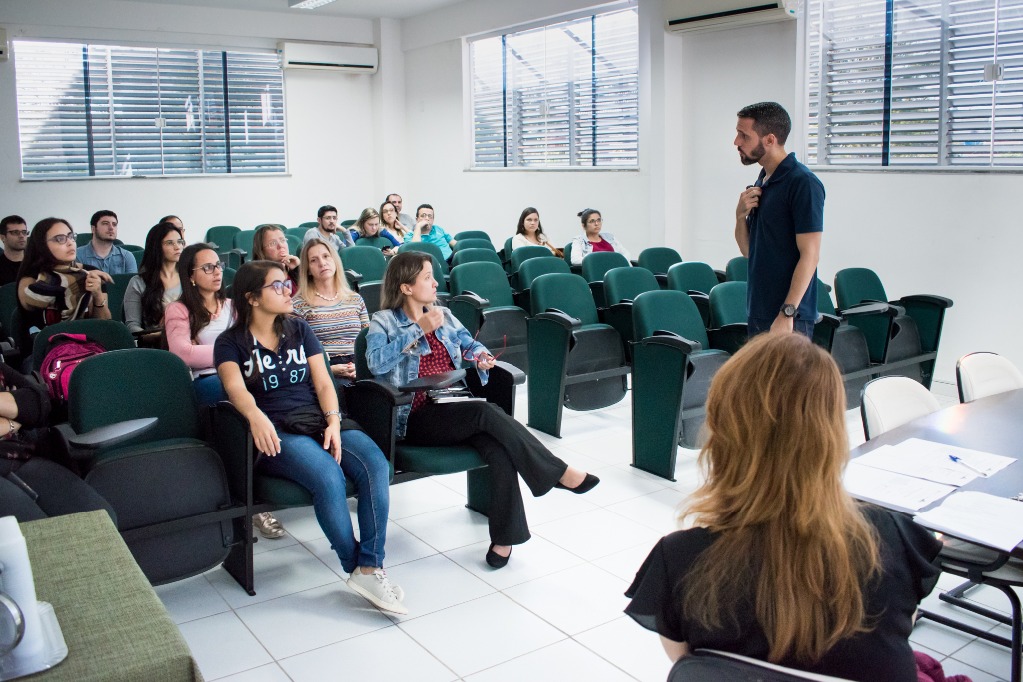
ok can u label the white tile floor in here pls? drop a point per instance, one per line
(554, 613)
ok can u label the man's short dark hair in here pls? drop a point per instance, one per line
(392, 194)
(101, 214)
(769, 118)
(421, 207)
(11, 220)
(324, 210)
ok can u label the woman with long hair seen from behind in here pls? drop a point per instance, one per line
(780, 563)
(273, 369)
(157, 283)
(412, 337)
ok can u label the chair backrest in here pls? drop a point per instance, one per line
(627, 283)
(307, 224)
(474, 256)
(567, 251)
(566, 292)
(484, 279)
(658, 259)
(668, 310)
(533, 268)
(377, 242)
(111, 334)
(728, 304)
(524, 253)
(229, 274)
(131, 384)
(692, 276)
(506, 251)
(83, 238)
(979, 375)
(473, 243)
(368, 261)
(473, 234)
(824, 304)
(115, 294)
(243, 240)
(426, 247)
(294, 244)
(348, 223)
(891, 401)
(297, 232)
(596, 265)
(222, 235)
(137, 252)
(705, 665)
(737, 269)
(855, 285)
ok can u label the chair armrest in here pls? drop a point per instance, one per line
(827, 320)
(729, 337)
(145, 332)
(862, 309)
(109, 435)
(720, 274)
(634, 263)
(662, 279)
(470, 298)
(500, 389)
(353, 276)
(698, 295)
(662, 337)
(561, 318)
(926, 299)
(433, 382)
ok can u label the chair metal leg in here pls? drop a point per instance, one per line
(239, 562)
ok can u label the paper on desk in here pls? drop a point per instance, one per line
(986, 519)
(926, 450)
(891, 489)
(918, 463)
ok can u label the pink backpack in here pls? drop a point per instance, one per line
(65, 352)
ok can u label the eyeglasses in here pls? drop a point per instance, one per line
(469, 357)
(594, 221)
(274, 243)
(279, 287)
(175, 242)
(17, 233)
(62, 238)
(210, 268)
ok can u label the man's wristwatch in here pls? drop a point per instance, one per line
(788, 310)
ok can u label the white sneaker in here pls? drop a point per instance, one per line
(267, 525)
(378, 590)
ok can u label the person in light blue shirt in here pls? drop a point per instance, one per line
(327, 230)
(102, 253)
(426, 231)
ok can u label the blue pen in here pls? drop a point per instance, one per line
(959, 460)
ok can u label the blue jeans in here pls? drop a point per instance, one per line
(758, 325)
(209, 390)
(304, 461)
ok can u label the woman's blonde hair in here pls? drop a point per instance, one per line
(791, 541)
(366, 215)
(306, 286)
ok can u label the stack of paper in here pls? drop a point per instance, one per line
(891, 489)
(986, 519)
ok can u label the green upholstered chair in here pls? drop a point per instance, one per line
(474, 256)
(294, 244)
(567, 251)
(728, 315)
(673, 363)
(621, 287)
(506, 253)
(696, 279)
(431, 249)
(167, 486)
(523, 254)
(111, 334)
(298, 232)
(907, 344)
(222, 236)
(365, 265)
(574, 360)
(378, 242)
(595, 266)
(307, 224)
(115, 295)
(83, 238)
(473, 234)
(529, 271)
(473, 243)
(481, 299)
(658, 260)
(737, 269)
(243, 244)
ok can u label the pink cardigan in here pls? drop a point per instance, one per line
(179, 338)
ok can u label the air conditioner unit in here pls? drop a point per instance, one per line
(714, 15)
(328, 56)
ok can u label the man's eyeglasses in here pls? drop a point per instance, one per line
(279, 287)
(62, 238)
(175, 242)
(468, 356)
(17, 233)
(210, 268)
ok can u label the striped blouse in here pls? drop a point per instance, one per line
(337, 324)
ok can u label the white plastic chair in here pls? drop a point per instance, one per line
(982, 374)
(888, 402)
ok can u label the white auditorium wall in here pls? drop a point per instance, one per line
(330, 121)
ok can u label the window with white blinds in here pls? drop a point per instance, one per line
(103, 110)
(915, 82)
(562, 95)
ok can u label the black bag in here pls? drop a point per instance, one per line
(305, 421)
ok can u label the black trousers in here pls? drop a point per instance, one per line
(508, 448)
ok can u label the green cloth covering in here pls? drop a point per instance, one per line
(115, 626)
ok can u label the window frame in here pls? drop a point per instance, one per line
(199, 55)
(471, 163)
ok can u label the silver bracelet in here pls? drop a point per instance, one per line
(327, 415)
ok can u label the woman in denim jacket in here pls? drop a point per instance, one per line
(410, 338)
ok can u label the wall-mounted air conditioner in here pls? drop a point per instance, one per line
(714, 15)
(328, 56)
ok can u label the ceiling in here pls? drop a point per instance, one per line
(368, 9)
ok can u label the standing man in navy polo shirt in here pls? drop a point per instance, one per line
(778, 225)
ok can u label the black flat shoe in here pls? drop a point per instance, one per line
(496, 560)
(588, 484)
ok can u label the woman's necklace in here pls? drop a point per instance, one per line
(326, 298)
(215, 313)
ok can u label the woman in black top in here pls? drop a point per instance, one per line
(782, 564)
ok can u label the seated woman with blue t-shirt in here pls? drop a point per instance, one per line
(273, 369)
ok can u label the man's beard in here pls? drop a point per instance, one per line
(754, 156)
